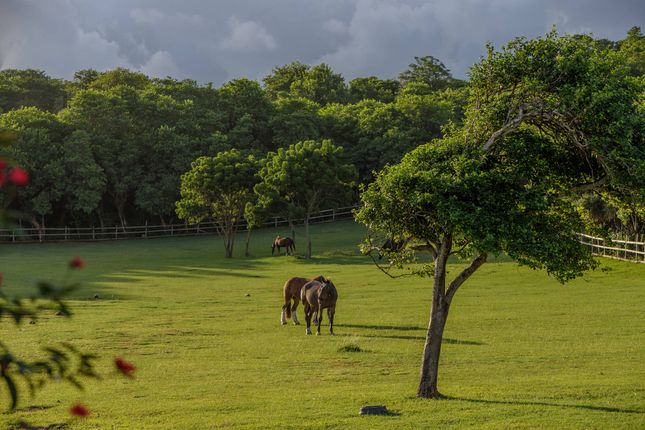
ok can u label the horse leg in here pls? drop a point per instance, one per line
(283, 315)
(315, 313)
(307, 317)
(330, 314)
(320, 317)
(293, 311)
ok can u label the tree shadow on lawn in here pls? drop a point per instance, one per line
(406, 328)
(557, 405)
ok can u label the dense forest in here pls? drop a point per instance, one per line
(109, 148)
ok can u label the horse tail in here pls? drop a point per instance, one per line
(287, 300)
(293, 244)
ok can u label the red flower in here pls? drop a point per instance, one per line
(3, 163)
(79, 410)
(125, 367)
(19, 176)
(3, 177)
(77, 263)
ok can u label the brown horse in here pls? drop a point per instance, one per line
(284, 242)
(291, 291)
(316, 296)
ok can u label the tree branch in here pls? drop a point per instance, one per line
(464, 275)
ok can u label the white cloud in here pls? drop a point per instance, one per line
(247, 36)
(161, 65)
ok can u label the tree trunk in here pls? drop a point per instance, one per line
(248, 240)
(431, 351)
(429, 372)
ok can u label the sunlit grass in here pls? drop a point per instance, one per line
(521, 351)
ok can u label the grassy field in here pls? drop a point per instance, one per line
(521, 351)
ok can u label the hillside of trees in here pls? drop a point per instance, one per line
(109, 148)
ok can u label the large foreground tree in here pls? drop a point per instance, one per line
(547, 118)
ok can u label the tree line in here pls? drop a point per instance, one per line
(109, 148)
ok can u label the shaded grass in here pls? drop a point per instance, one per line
(521, 351)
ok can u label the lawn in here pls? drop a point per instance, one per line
(521, 350)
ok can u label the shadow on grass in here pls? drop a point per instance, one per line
(383, 327)
(556, 405)
(405, 337)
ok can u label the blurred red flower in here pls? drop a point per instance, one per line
(79, 410)
(19, 176)
(125, 367)
(77, 263)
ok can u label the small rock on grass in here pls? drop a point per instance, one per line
(374, 410)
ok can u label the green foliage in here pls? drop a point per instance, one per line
(321, 85)
(22, 88)
(383, 90)
(279, 82)
(429, 71)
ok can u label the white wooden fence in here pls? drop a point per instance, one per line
(64, 234)
(618, 249)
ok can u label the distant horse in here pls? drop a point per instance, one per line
(316, 296)
(291, 291)
(392, 245)
(283, 242)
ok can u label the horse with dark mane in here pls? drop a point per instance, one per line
(283, 242)
(316, 296)
(291, 291)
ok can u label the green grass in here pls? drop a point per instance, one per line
(521, 351)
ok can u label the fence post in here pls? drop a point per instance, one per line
(172, 229)
(276, 221)
(333, 214)
(146, 233)
(116, 231)
(65, 233)
(13, 235)
(93, 234)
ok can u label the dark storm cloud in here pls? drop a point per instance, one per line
(218, 40)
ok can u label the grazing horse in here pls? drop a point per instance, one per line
(316, 296)
(291, 291)
(284, 242)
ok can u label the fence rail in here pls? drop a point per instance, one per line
(618, 249)
(89, 234)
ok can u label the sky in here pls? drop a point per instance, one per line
(217, 40)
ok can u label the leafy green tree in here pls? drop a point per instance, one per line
(303, 177)
(321, 85)
(279, 82)
(294, 119)
(243, 100)
(219, 188)
(430, 71)
(107, 118)
(22, 88)
(548, 118)
(382, 90)
(37, 149)
(83, 182)
(633, 46)
(118, 77)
